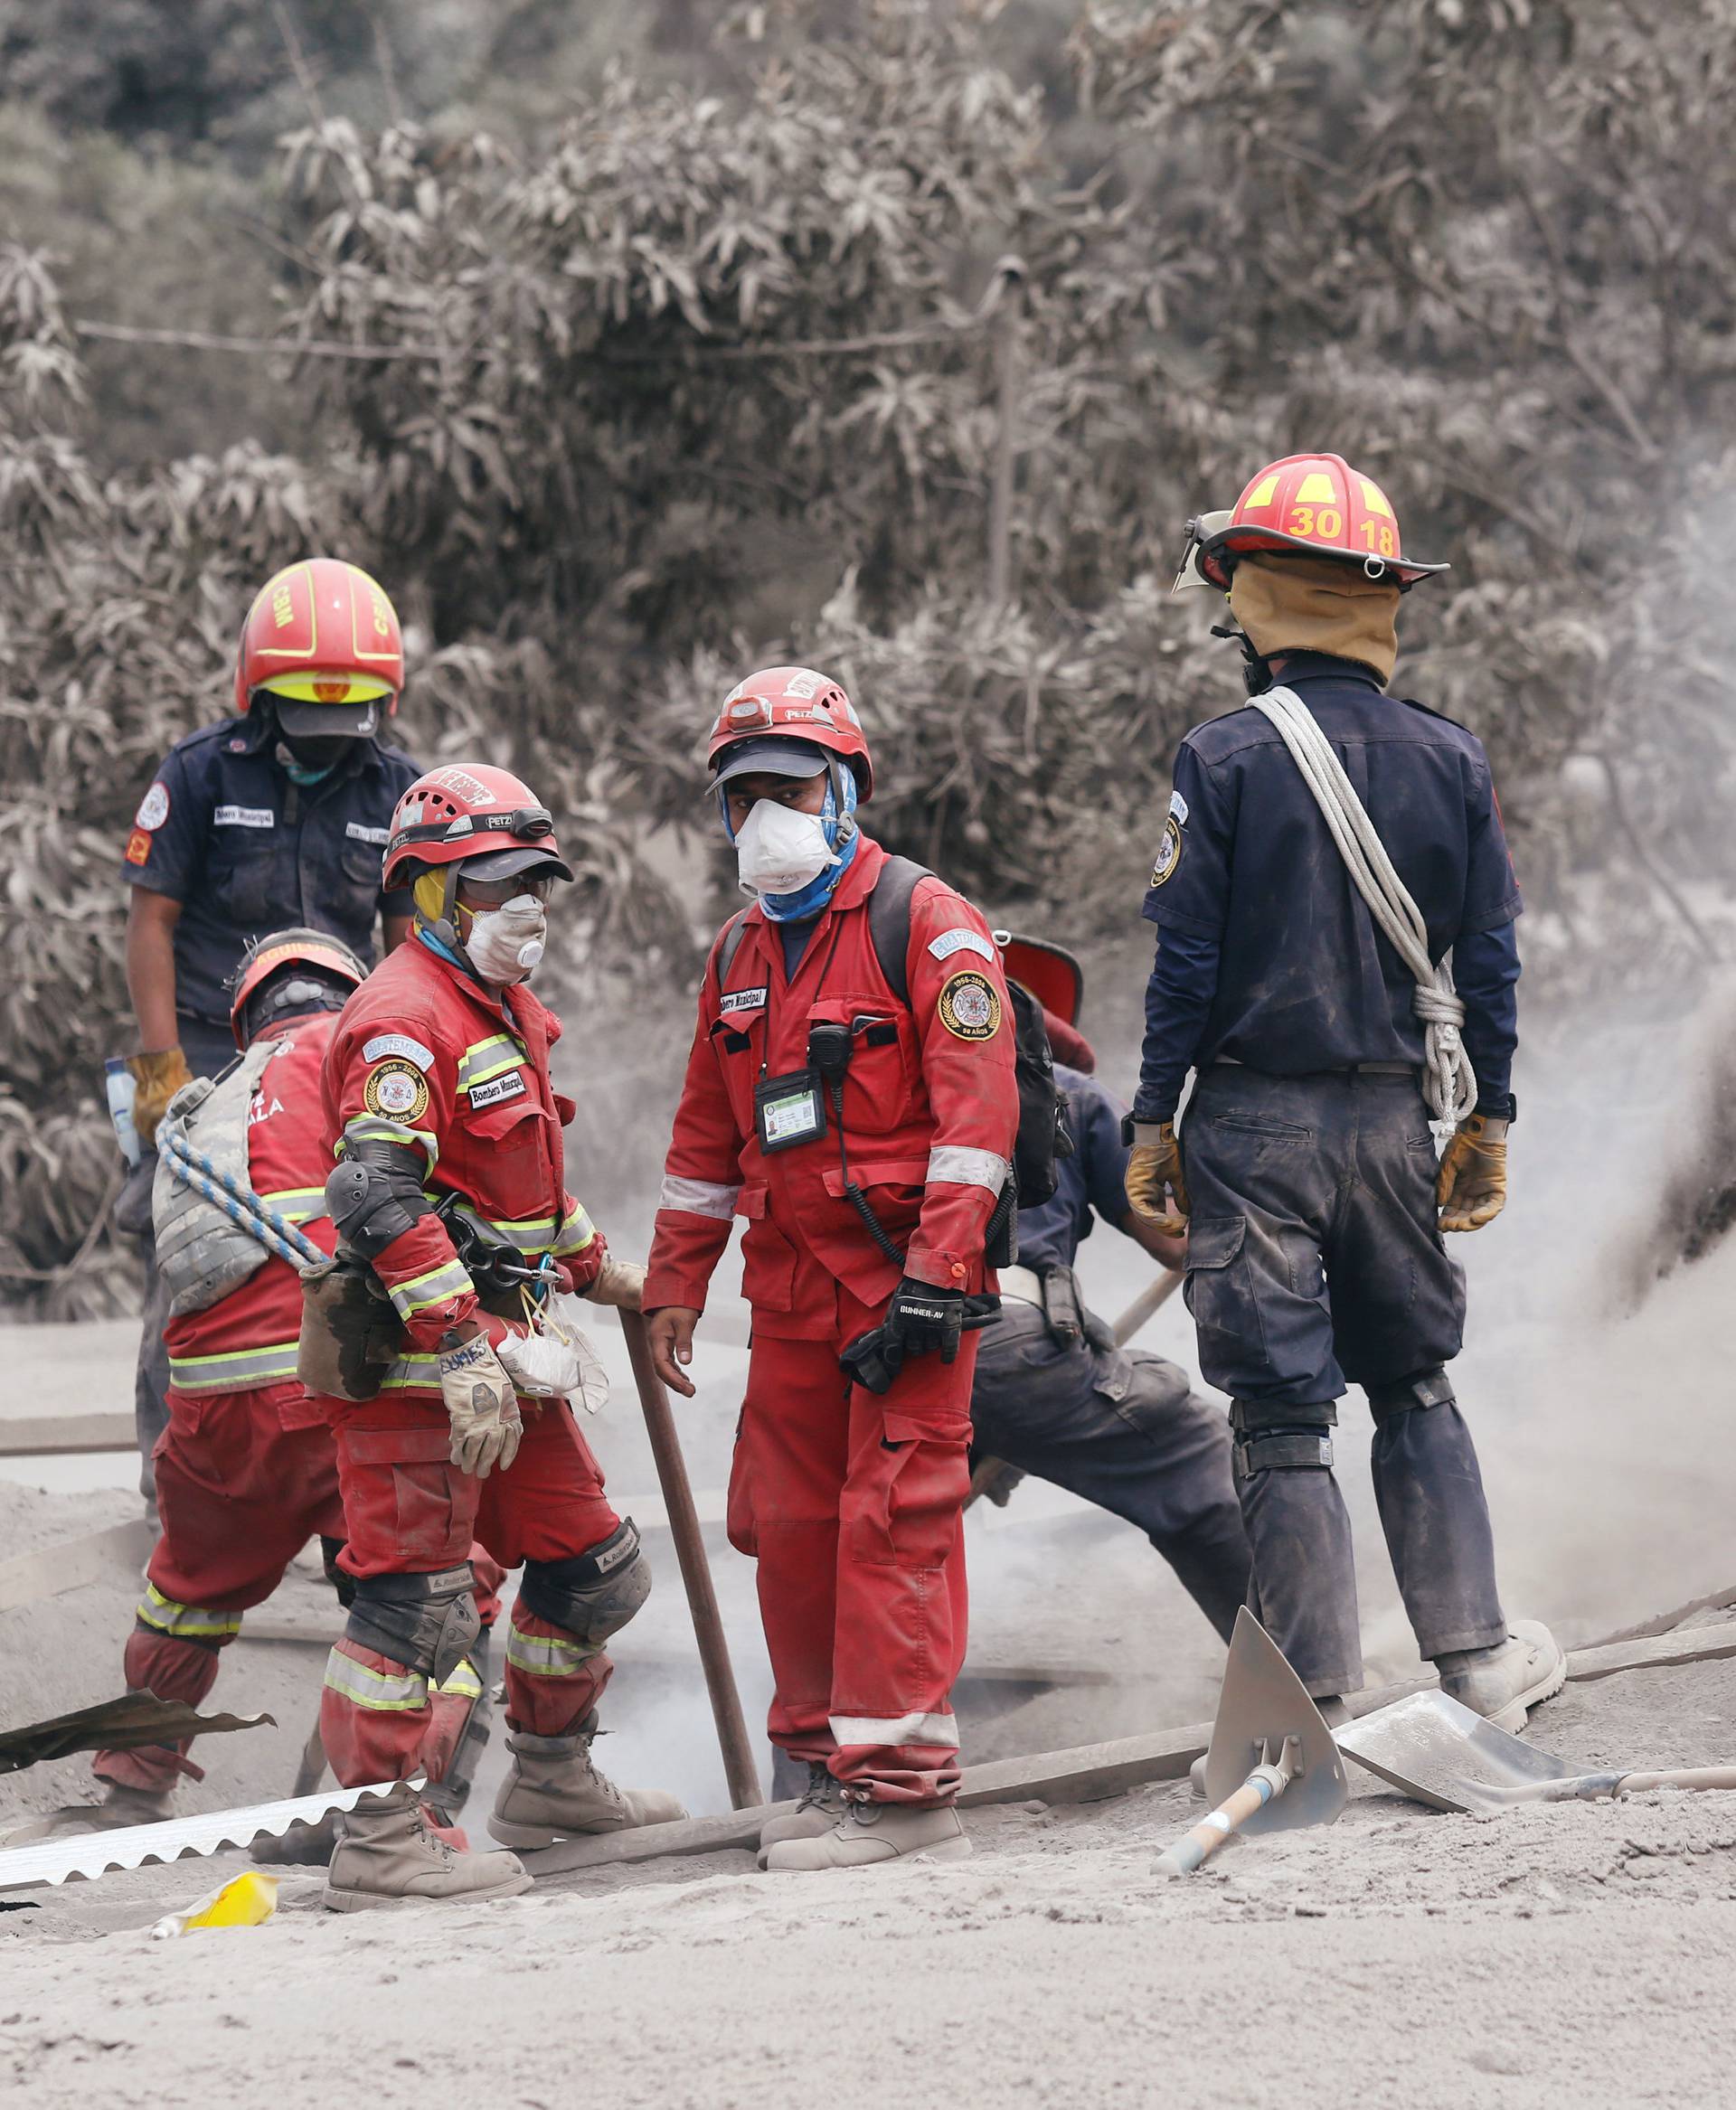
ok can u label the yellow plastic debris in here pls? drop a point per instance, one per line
(245, 1901)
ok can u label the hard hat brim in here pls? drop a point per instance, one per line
(500, 864)
(771, 755)
(1253, 541)
(357, 719)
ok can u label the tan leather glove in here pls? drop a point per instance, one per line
(620, 1283)
(482, 1407)
(1471, 1185)
(1157, 1164)
(158, 1077)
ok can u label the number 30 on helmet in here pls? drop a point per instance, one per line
(1305, 505)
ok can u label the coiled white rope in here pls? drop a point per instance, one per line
(1448, 1081)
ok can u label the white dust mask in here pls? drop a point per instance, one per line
(506, 945)
(778, 851)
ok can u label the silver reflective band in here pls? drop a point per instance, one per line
(937, 1731)
(698, 1197)
(548, 1655)
(950, 1165)
(380, 1691)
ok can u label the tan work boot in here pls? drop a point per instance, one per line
(554, 1792)
(870, 1832)
(821, 1806)
(1332, 1712)
(388, 1855)
(1505, 1682)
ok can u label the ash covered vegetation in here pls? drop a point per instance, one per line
(704, 346)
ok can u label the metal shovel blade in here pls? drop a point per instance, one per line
(1430, 1747)
(1264, 1701)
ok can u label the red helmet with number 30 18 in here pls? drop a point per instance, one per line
(1306, 505)
(797, 703)
(465, 810)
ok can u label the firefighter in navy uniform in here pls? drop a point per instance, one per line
(1053, 1395)
(1306, 1176)
(274, 819)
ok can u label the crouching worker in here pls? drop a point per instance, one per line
(245, 1473)
(1053, 1395)
(456, 1227)
(851, 1092)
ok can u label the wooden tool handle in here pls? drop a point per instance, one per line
(1197, 1847)
(1691, 1776)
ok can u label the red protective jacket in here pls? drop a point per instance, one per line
(427, 1056)
(930, 1109)
(247, 1339)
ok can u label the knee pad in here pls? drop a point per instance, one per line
(1281, 1438)
(427, 1622)
(593, 1595)
(1423, 1388)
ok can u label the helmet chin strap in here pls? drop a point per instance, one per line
(1255, 671)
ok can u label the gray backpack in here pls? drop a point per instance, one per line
(202, 1253)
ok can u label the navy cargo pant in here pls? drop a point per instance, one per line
(1315, 1262)
(1124, 1431)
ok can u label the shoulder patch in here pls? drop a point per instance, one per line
(138, 847)
(384, 1044)
(961, 940)
(1178, 807)
(1169, 853)
(396, 1091)
(152, 808)
(970, 1006)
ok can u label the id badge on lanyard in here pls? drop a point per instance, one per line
(788, 1111)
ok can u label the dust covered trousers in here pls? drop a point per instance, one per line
(1314, 1262)
(851, 1502)
(426, 1057)
(1126, 1432)
(245, 1469)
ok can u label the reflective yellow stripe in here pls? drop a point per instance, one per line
(490, 1058)
(440, 1286)
(381, 1691)
(237, 1370)
(377, 1128)
(530, 1234)
(166, 1617)
(576, 1234)
(420, 1372)
(463, 1684)
(548, 1657)
(299, 1204)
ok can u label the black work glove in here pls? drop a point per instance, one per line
(919, 1319)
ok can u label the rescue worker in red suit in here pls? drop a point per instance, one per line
(245, 1471)
(811, 1078)
(436, 1090)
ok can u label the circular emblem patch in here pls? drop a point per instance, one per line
(396, 1090)
(153, 809)
(1169, 851)
(970, 1007)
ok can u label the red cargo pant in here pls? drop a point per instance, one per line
(409, 1510)
(239, 1495)
(854, 1505)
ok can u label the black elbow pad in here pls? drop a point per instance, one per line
(375, 1195)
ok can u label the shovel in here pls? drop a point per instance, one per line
(1273, 1766)
(1431, 1747)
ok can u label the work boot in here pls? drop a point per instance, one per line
(554, 1792)
(119, 1809)
(390, 1855)
(1332, 1710)
(1503, 1683)
(868, 1832)
(821, 1806)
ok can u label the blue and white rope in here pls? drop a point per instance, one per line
(239, 1201)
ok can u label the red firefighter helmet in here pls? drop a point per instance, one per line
(328, 959)
(323, 641)
(470, 813)
(1052, 973)
(1307, 504)
(781, 704)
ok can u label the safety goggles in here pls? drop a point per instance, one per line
(496, 893)
(529, 824)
